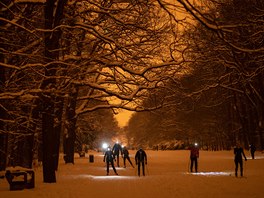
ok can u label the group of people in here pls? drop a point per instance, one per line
(238, 157)
(112, 155)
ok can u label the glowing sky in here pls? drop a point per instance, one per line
(123, 117)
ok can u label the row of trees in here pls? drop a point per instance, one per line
(219, 100)
(63, 61)
(60, 61)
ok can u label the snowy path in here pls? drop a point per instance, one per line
(167, 177)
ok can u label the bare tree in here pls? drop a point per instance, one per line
(111, 49)
(236, 49)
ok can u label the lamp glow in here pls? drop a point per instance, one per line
(105, 146)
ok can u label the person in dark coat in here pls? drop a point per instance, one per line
(141, 160)
(239, 152)
(194, 155)
(126, 157)
(117, 149)
(252, 149)
(109, 159)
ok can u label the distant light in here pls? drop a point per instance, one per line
(105, 146)
(195, 144)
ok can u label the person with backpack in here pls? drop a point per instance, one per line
(126, 157)
(239, 152)
(109, 159)
(194, 155)
(141, 160)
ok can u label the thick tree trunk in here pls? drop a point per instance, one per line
(49, 144)
(70, 136)
(261, 112)
(58, 127)
(3, 136)
(53, 13)
(260, 127)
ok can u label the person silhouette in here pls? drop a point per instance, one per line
(117, 149)
(194, 155)
(126, 157)
(141, 160)
(252, 149)
(109, 159)
(238, 152)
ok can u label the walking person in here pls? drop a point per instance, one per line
(126, 157)
(238, 152)
(109, 159)
(252, 149)
(117, 149)
(194, 155)
(141, 160)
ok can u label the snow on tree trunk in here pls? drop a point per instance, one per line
(70, 134)
(3, 136)
(53, 13)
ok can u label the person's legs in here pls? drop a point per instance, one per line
(107, 168)
(241, 168)
(112, 163)
(236, 167)
(191, 168)
(196, 164)
(138, 168)
(143, 168)
(130, 162)
(124, 161)
(117, 160)
(253, 155)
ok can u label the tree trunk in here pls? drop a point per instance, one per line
(58, 127)
(49, 144)
(53, 13)
(3, 136)
(3, 114)
(70, 135)
(261, 112)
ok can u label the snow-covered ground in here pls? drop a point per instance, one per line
(167, 177)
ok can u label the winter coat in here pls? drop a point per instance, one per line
(252, 148)
(194, 152)
(238, 151)
(125, 153)
(116, 148)
(109, 156)
(141, 156)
